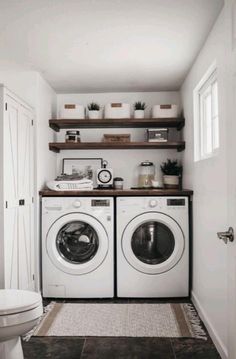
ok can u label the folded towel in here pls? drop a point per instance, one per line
(85, 185)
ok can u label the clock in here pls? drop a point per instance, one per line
(104, 176)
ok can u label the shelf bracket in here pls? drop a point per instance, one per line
(53, 148)
(181, 124)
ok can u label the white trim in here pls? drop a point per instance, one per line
(206, 76)
(207, 80)
(17, 98)
(211, 330)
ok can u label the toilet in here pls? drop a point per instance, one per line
(19, 313)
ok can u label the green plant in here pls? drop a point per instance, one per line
(139, 105)
(172, 168)
(93, 106)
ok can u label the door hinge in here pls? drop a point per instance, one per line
(6, 204)
(32, 199)
(32, 122)
(21, 202)
(33, 276)
(6, 106)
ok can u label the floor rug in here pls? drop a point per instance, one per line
(121, 320)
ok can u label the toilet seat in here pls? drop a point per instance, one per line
(20, 318)
(13, 301)
(20, 312)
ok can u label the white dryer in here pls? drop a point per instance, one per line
(77, 247)
(152, 247)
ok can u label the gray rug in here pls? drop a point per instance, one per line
(120, 320)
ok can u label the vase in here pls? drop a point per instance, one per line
(139, 114)
(171, 182)
(94, 115)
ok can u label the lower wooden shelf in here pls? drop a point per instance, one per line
(117, 192)
(58, 146)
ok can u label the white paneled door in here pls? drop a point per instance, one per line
(18, 195)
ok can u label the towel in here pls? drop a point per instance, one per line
(84, 184)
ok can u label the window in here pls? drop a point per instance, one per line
(206, 117)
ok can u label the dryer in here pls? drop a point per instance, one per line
(77, 247)
(152, 247)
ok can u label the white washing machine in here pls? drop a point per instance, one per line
(152, 247)
(77, 247)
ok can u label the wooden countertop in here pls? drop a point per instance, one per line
(116, 192)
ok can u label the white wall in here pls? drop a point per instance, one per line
(45, 109)
(22, 83)
(45, 166)
(123, 162)
(209, 182)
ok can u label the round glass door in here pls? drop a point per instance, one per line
(77, 243)
(152, 243)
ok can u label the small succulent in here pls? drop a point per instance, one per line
(93, 106)
(139, 105)
(172, 168)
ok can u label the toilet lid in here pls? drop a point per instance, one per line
(17, 301)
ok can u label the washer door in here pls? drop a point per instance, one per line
(77, 243)
(153, 243)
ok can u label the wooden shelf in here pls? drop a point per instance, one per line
(118, 192)
(178, 123)
(57, 146)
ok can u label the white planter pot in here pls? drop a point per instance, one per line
(139, 114)
(171, 181)
(94, 115)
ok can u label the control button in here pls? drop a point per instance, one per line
(153, 203)
(77, 204)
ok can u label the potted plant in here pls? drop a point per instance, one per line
(139, 108)
(94, 111)
(172, 173)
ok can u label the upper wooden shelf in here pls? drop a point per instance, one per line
(58, 146)
(178, 123)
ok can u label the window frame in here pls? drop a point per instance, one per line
(200, 93)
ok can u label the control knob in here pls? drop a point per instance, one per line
(152, 203)
(77, 204)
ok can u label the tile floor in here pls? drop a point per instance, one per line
(119, 348)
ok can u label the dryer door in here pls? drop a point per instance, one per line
(77, 243)
(153, 243)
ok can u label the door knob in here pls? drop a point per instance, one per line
(226, 236)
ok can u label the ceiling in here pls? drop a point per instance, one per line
(106, 45)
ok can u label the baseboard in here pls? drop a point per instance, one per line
(214, 336)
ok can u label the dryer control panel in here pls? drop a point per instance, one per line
(176, 202)
(100, 203)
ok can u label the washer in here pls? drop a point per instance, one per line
(77, 247)
(152, 247)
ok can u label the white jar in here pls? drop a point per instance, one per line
(118, 183)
